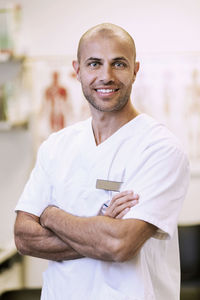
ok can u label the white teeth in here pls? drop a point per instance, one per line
(105, 90)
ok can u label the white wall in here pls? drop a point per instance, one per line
(54, 27)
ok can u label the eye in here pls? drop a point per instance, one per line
(94, 64)
(119, 65)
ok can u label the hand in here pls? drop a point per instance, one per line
(121, 204)
(44, 215)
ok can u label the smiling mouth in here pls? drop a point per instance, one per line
(106, 91)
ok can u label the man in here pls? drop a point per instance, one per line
(78, 209)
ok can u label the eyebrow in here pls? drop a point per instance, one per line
(114, 59)
(120, 58)
(93, 58)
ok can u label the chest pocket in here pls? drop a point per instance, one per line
(80, 201)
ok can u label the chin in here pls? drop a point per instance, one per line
(108, 105)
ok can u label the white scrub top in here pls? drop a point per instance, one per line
(148, 159)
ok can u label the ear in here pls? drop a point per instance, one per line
(76, 67)
(136, 69)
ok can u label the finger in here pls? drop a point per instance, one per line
(117, 210)
(123, 213)
(123, 199)
(130, 194)
(121, 194)
(122, 207)
(126, 210)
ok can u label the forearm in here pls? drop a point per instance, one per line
(98, 237)
(34, 240)
(89, 236)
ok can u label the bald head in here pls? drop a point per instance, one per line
(106, 30)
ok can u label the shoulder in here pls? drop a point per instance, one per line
(156, 144)
(66, 135)
(156, 135)
(165, 152)
(59, 142)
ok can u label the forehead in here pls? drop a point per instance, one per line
(106, 47)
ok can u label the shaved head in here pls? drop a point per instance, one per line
(106, 30)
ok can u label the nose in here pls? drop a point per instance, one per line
(107, 74)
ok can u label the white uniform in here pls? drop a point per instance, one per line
(149, 160)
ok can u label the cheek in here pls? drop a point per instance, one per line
(125, 77)
(87, 78)
(127, 80)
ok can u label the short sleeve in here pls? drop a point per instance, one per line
(37, 193)
(161, 181)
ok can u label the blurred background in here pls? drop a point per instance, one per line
(39, 92)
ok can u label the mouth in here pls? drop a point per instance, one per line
(106, 92)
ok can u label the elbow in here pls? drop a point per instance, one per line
(20, 245)
(121, 251)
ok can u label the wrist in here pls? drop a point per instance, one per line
(46, 215)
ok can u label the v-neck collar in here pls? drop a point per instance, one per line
(125, 128)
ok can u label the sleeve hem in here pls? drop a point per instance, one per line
(163, 232)
(29, 209)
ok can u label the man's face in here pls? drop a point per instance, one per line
(106, 71)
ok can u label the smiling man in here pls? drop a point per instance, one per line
(79, 209)
(107, 68)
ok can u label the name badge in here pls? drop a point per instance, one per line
(108, 185)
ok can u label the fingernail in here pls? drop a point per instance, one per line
(127, 209)
(129, 192)
(134, 202)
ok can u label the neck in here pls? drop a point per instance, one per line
(104, 124)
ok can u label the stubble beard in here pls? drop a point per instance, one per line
(122, 101)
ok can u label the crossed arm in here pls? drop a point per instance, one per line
(58, 235)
